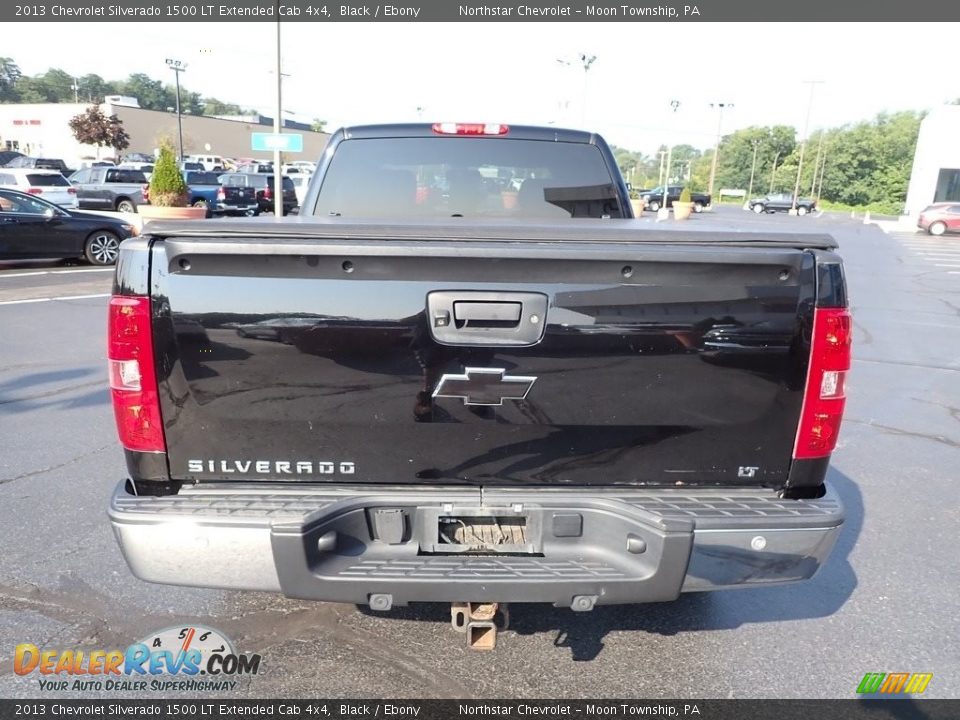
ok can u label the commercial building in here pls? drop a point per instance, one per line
(936, 163)
(42, 130)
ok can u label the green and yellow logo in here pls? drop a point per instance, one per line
(894, 683)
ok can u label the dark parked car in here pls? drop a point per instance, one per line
(207, 190)
(940, 218)
(118, 189)
(34, 228)
(782, 202)
(40, 163)
(8, 155)
(263, 184)
(654, 198)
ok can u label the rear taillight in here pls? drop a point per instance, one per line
(221, 194)
(824, 394)
(34, 191)
(470, 129)
(145, 191)
(133, 378)
(71, 191)
(268, 193)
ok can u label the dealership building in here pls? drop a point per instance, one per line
(42, 130)
(936, 162)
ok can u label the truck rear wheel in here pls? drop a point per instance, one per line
(801, 210)
(698, 207)
(758, 208)
(126, 205)
(654, 205)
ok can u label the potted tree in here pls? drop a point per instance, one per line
(683, 208)
(168, 191)
(638, 203)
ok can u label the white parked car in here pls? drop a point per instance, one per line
(299, 167)
(50, 185)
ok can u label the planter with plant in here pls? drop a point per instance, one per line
(168, 191)
(638, 203)
(683, 208)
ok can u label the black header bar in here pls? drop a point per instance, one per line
(639, 11)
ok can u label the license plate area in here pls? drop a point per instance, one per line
(481, 531)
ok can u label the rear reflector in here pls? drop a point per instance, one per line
(470, 129)
(133, 378)
(824, 394)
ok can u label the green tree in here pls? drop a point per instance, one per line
(92, 127)
(167, 186)
(149, 93)
(9, 74)
(212, 106)
(94, 88)
(318, 125)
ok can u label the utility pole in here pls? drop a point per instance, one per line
(716, 149)
(663, 155)
(277, 130)
(803, 146)
(586, 61)
(823, 165)
(816, 164)
(178, 67)
(753, 167)
(76, 91)
(773, 171)
(674, 104)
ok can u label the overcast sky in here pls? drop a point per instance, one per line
(354, 73)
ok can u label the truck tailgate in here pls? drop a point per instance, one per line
(653, 359)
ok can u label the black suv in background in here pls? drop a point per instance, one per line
(39, 163)
(263, 183)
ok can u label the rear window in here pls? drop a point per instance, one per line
(126, 176)
(47, 180)
(474, 177)
(203, 178)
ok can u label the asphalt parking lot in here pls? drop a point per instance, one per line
(886, 601)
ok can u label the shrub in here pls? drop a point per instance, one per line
(685, 195)
(167, 186)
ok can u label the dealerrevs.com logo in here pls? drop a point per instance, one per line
(184, 658)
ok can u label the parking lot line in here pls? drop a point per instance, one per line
(55, 272)
(98, 295)
(62, 297)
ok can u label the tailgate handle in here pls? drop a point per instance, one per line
(470, 317)
(486, 314)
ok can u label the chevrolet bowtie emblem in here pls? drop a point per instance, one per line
(484, 386)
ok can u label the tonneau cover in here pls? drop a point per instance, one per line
(632, 231)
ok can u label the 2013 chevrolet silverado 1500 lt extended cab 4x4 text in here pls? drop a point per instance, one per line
(434, 386)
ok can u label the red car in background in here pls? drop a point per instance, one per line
(940, 218)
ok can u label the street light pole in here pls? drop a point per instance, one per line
(674, 104)
(716, 149)
(803, 145)
(277, 129)
(753, 167)
(178, 67)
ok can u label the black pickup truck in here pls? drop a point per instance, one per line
(424, 388)
(654, 198)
